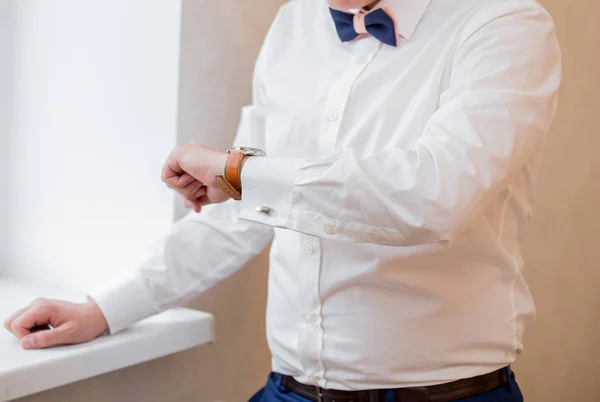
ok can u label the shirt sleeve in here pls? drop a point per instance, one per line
(497, 110)
(201, 250)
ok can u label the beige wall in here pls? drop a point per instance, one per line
(562, 358)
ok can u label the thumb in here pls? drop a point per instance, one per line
(44, 339)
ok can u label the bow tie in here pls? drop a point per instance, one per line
(379, 23)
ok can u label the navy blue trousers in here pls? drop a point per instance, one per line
(274, 391)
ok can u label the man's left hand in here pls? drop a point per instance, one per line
(191, 169)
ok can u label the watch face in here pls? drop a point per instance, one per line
(249, 151)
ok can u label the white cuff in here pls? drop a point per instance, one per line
(124, 303)
(267, 186)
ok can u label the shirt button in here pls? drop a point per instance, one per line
(314, 380)
(330, 229)
(363, 59)
(309, 318)
(309, 249)
(333, 116)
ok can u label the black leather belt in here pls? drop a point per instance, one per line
(437, 393)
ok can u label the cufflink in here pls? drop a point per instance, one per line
(264, 211)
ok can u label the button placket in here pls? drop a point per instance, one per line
(309, 318)
(309, 328)
(338, 99)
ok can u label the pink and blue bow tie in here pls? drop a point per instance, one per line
(379, 23)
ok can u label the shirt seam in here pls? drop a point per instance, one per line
(513, 306)
(321, 327)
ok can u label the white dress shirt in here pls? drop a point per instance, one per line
(400, 183)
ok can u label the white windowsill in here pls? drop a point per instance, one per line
(25, 372)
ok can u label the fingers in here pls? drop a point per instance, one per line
(69, 323)
(193, 193)
(193, 190)
(195, 205)
(8, 322)
(62, 335)
(187, 186)
(171, 168)
(176, 180)
(203, 201)
(199, 193)
(37, 314)
(184, 180)
(212, 196)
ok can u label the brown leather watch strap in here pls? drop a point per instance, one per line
(231, 182)
(233, 169)
(228, 189)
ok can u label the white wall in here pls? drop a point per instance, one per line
(216, 67)
(6, 64)
(96, 105)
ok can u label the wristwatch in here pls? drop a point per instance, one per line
(230, 182)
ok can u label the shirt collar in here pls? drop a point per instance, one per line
(408, 13)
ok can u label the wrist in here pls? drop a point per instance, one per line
(230, 182)
(221, 163)
(97, 317)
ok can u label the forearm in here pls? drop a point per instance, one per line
(405, 197)
(201, 250)
(491, 121)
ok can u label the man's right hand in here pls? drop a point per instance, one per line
(72, 323)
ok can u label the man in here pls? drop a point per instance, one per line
(402, 137)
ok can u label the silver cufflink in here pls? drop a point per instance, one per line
(264, 211)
